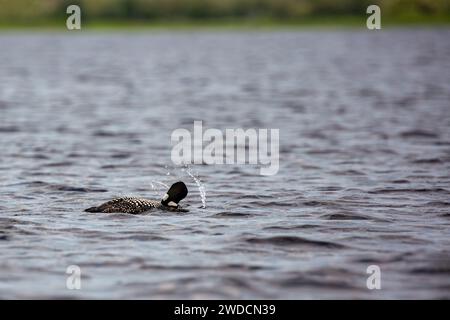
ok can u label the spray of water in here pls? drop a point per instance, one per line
(200, 186)
(160, 183)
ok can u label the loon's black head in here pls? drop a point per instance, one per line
(177, 192)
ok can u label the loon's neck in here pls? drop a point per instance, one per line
(169, 204)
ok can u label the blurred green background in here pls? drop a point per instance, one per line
(123, 13)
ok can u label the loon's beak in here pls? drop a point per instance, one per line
(177, 192)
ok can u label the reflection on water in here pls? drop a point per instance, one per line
(364, 164)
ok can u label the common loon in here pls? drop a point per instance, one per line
(177, 192)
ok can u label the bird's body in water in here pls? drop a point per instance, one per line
(176, 193)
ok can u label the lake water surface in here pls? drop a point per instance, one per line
(364, 119)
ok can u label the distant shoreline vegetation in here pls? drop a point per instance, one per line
(238, 24)
(220, 13)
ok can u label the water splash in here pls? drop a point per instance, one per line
(160, 183)
(200, 185)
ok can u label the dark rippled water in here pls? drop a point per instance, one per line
(364, 121)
